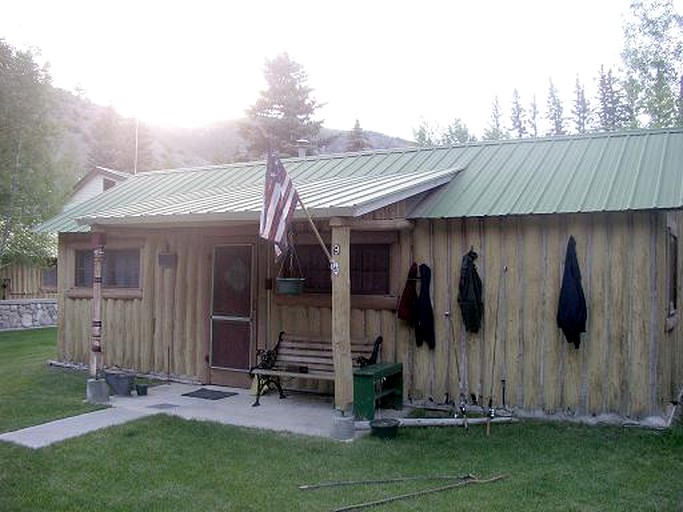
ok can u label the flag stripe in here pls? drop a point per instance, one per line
(279, 201)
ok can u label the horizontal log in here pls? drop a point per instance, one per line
(439, 422)
(107, 293)
(372, 224)
(321, 300)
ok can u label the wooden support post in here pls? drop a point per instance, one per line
(96, 335)
(341, 319)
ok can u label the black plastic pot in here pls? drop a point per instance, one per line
(386, 428)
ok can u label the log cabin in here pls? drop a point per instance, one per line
(189, 288)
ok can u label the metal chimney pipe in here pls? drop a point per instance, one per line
(302, 146)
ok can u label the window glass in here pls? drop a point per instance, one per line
(369, 269)
(672, 250)
(120, 268)
(50, 277)
(84, 269)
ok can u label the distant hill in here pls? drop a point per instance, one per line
(167, 147)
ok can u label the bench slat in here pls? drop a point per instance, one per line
(309, 357)
(327, 347)
(283, 373)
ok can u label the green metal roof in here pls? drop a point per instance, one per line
(346, 197)
(637, 170)
(617, 171)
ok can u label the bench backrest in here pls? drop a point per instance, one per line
(305, 354)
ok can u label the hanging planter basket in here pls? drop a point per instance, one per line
(290, 281)
(289, 285)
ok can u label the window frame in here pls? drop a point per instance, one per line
(115, 292)
(359, 251)
(672, 272)
(54, 268)
(388, 302)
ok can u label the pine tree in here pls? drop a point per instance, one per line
(610, 102)
(518, 116)
(457, 133)
(581, 108)
(358, 139)
(495, 130)
(425, 135)
(533, 117)
(555, 114)
(284, 112)
(628, 114)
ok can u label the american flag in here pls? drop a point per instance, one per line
(279, 201)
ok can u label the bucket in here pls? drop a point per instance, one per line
(385, 428)
(121, 383)
(141, 389)
(342, 427)
(289, 285)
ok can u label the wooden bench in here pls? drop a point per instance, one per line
(299, 356)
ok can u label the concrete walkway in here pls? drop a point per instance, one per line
(60, 430)
(300, 414)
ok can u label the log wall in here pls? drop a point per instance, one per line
(628, 363)
(164, 326)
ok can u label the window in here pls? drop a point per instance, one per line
(369, 269)
(49, 278)
(672, 259)
(120, 268)
(84, 270)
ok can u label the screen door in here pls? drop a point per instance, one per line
(231, 314)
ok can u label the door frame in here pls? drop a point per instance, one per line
(252, 310)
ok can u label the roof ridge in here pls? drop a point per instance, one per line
(417, 149)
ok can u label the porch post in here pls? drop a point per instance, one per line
(97, 390)
(341, 319)
(96, 333)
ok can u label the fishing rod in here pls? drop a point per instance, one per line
(491, 410)
(462, 405)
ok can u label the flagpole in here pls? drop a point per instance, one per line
(315, 230)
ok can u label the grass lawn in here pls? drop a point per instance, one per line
(167, 464)
(30, 391)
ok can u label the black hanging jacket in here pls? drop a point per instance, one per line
(469, 293)
(571, 311)
(407, 305)
(424, 329)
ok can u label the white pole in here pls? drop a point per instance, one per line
(137, 129)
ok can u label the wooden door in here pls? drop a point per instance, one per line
(231, 311)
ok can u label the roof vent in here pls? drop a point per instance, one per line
(302, 145)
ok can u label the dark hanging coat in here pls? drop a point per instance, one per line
(407, 305)
(469, 293)
(424, 330)
(571, 311)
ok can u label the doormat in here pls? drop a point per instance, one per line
(209, 394)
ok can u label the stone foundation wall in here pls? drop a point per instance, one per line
(27, 313)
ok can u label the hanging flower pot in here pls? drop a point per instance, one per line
(290, 280)
(289, 285)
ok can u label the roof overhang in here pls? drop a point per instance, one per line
(347, 197)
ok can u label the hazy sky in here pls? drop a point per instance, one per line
(388, 64)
